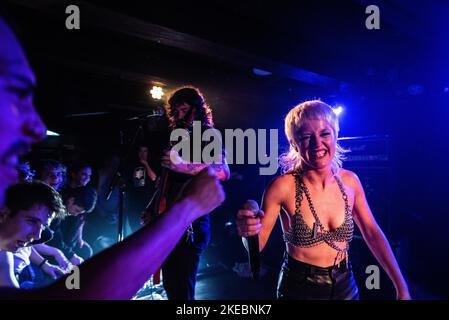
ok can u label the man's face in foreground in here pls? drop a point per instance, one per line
(20, 125)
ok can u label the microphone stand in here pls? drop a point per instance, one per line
(115, 182)
(119, 181)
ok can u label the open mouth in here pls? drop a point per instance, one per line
(319, 154)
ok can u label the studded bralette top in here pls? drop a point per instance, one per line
(301, 235)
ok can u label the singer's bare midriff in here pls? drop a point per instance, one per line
(329, 206)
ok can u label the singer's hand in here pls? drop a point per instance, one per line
(248, 224)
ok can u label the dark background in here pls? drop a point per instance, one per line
(393, 83)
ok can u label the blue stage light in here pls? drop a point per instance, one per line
(338, 110)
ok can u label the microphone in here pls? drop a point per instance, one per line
(157, 113)
(253, 242)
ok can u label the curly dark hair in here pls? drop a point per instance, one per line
(23, 196)
(193, 97)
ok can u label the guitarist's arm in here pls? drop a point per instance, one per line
(174, 162)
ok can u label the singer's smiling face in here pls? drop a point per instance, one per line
(317, 143)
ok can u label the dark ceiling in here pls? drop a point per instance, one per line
(311, 49)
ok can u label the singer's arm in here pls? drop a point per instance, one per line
(271, 205)
(272, 201)
(375, 238)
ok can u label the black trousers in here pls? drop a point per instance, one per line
(303, 281)
(179, 271)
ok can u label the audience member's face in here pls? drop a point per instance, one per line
(24, 227)
(54, 177)
(20, 125)
(82, 177)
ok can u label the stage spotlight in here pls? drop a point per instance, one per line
(156, 92)
(338, 110)
(52, 134)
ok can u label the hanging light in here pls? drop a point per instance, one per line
(156, 92)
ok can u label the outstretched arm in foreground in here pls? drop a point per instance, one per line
(120, 271)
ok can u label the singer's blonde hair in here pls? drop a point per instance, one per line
(295, 119)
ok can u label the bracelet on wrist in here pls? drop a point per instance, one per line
(43, 262)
